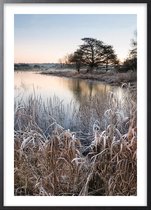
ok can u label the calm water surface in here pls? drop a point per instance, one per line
(66, 89)
(77, 91)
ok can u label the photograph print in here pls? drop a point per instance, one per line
(75, 105)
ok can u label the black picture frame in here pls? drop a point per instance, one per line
(2, 95)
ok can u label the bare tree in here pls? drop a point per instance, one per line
(133, 52)
(76, 58)
(92, 53)
(110, 58)
(131, 62)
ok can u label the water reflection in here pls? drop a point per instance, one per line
(87, 89)
(73, 103)
(66, 89)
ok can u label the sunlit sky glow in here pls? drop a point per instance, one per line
(47, 38)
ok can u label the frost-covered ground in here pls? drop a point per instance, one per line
(112, 78)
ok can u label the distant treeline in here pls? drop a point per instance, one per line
(22, 66)
(29, 67)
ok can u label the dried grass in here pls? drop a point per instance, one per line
(52, 161)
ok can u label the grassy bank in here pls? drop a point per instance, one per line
(95, 156)
(108, 77)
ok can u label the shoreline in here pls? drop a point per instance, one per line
(110, 78)
(114, 79)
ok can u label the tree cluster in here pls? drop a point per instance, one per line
(92, 54)
(131, 62)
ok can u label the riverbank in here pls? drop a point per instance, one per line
(111, 78)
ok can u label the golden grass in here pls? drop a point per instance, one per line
(58, 164)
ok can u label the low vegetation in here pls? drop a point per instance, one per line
(91, 152)
(113, 78)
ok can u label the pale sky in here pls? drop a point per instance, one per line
(47, 38)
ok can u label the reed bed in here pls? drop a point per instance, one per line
(95, 155)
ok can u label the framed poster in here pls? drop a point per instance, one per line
(74, 104)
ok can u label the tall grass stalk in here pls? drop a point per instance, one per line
(94, 154)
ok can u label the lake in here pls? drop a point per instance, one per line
(73, 103)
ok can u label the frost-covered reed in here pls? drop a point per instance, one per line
(100, 159)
